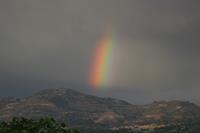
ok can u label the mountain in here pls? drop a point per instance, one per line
(83, 110)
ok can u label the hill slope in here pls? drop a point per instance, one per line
(79, 109)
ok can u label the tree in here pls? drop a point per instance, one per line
(42, 125)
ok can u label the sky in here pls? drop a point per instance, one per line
(52, 44)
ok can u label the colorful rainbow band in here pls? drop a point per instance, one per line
(101, 66)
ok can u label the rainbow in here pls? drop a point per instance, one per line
(100, 74)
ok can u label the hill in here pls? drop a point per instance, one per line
(83, 110)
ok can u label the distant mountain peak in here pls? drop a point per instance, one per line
(80, 109)
(58, 91)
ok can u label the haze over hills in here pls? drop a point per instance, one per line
(79, 109)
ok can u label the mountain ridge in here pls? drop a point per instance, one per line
(79, 109)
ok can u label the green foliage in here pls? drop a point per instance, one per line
(43, 125)
(49, 125)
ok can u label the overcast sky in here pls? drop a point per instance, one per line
(50, 43)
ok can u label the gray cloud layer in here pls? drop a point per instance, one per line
(50, 44)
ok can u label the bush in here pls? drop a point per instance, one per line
(43, 125)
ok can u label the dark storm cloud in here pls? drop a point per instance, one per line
(50, 44)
